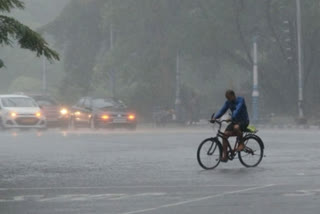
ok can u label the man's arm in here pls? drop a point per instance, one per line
(238, 107)
(222, 111)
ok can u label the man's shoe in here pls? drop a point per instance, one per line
(224, 160)
(241, 147)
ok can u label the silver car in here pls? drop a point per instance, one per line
(18, 111)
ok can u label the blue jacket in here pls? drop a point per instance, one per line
(238, 109)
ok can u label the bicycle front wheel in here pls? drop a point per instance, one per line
(252, 154)
(209, 153)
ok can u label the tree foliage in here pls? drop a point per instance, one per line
(213, 37)
(8, 5)
(12, 30)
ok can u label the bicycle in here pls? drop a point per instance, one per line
(211, 149)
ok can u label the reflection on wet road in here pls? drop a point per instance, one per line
(153, 171)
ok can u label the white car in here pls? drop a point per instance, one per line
(18, 111)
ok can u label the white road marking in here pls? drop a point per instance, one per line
(154, 194)
(23, 198)
(197, 199)
(303, 193)
(118, 187)
(80, 197)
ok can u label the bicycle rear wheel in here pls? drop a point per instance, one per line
(252, 154)
(209, 153)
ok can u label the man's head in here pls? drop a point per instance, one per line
(230, 95)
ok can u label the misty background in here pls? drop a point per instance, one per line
(137, 44)
(23, 72)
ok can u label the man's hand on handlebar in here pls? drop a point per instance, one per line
(213, 120)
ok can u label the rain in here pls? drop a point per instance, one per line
(159, 106)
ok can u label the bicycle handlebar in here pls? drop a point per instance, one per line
(219, 122)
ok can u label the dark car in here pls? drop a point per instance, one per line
(57, 115)
(102, 112)
(163, 116)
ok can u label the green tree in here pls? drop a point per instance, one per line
(12, 30)
(25, 84)
(78, 31)
(213, 37)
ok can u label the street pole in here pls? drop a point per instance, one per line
(255, 91)
(300, 61)
(44, 75)
(112, 72)
(178, 85)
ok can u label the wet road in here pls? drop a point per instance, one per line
(153, 171)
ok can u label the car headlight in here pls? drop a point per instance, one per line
(64, 111)
(13, 114)
(105, 117)
(131, 117)
(38, 114)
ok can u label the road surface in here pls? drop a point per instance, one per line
(153, 171)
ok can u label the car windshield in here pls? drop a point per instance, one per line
(107, 103)
(18, 102)
(45, 101)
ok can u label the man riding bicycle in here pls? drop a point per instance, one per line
(239, 120)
